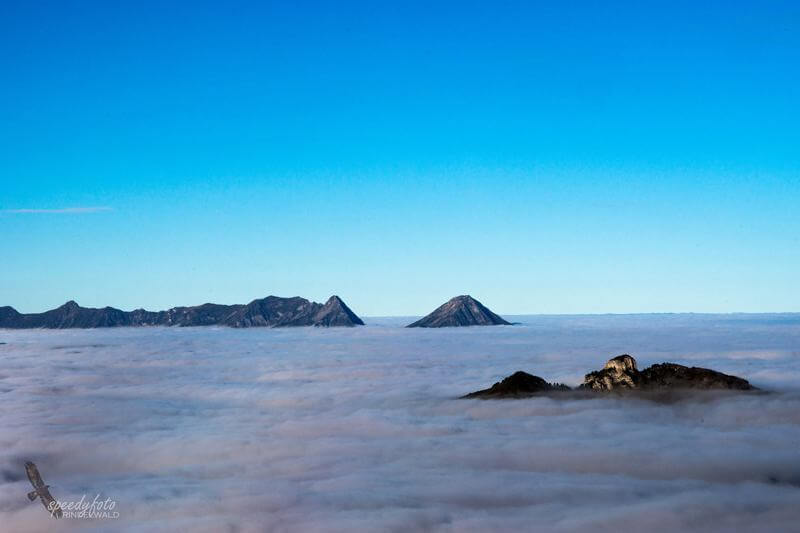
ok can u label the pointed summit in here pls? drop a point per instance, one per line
(70, 305)
(8, 313)
(336, 313)
(460, 311)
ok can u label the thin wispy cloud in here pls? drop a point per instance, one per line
(62, 210)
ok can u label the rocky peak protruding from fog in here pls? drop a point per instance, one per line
(462, 310)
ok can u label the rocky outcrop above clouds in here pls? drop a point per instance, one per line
(620, 375)
(459, 311)
(518, 384)
(272, 311)
(672, 376)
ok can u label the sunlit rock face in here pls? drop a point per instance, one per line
(617, 374)
(621, 363)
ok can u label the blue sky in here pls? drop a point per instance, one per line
(545, 158)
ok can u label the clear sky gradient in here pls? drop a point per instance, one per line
(561, 157)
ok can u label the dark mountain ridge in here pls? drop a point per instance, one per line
(272, 311)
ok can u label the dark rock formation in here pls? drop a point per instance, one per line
(518, 384)
(621, 374)
(69, 315)
(672, 376)
(199, 315)
(8, 315)
(459, 311)
(275, 312)
(271, 311)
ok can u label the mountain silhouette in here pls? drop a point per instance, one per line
(272, 311)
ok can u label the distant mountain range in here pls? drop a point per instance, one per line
(460, 311)
(271, 311)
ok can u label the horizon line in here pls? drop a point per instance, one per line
(607, 313)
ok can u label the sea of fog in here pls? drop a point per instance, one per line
(311, 429)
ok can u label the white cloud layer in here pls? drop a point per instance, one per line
(213, 429)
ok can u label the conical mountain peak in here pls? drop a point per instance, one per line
(336, 313)
(462, 310)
